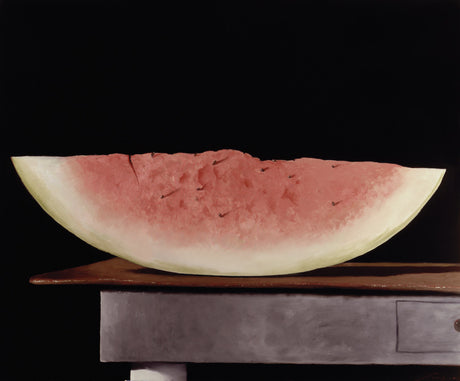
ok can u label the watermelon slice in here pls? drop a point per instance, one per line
(226, 212)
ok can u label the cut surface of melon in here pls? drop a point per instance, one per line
(226, 212)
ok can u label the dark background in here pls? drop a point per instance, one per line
(352, 80)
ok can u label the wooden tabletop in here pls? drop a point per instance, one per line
(397, 277)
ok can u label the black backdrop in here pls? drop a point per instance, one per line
(352, 80)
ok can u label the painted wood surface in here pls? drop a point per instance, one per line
(158, 372)
(278, 328)
(428, 326)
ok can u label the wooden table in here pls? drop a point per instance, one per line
(353, 313)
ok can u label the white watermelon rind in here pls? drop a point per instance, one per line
(48, 182)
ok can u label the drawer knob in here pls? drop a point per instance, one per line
(457, 325)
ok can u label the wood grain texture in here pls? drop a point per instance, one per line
(394, 277)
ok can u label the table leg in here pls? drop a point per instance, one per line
(157, 371)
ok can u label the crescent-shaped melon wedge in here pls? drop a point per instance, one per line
(226, 212)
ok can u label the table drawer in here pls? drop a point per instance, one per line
(424, 327)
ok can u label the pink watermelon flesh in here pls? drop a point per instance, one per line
(226, 212)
